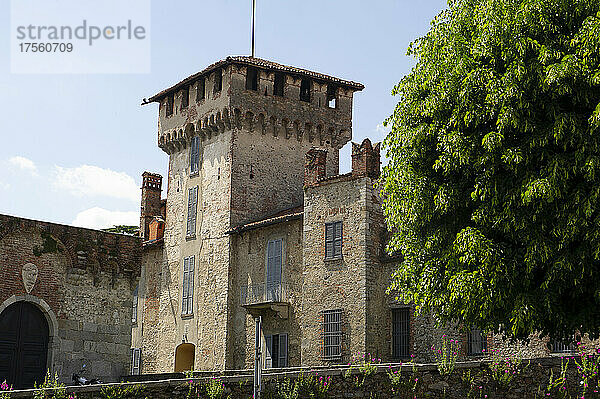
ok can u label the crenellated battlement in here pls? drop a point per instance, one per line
(258, 96)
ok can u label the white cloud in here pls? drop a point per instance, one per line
(4, 186)
(98, 218)
(23, 163)
(382, 129)
(87, 180)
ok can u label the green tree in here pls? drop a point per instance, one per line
(493, 186)
(123, 229)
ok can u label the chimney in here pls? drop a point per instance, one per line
(365, 160)
(314, 168)
(151, 204)
(157, 228)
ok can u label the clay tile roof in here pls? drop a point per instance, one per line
(283, 216)
(260, 63)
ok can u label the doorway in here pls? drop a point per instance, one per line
(184, 357)
(24, 336)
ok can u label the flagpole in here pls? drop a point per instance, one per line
(253, 18)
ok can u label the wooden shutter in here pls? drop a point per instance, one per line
(268, 351)
(283, 350)
(274, 261)
(192, 210)
(184, 295)
(329, 232)
(190, 298)
(337, 240)
(195, 154)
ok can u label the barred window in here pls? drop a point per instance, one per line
(195, 154)
(333, 240)
(192, 210)
(187, 296)
(277, 351)
(401, 333)
(560, 346)
(332, 334)
(136, 355)
(476, 342)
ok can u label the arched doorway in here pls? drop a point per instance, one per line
(24, 337)
(184, 357)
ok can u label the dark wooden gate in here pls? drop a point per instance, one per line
(23, 345)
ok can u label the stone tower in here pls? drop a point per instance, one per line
(237, 134)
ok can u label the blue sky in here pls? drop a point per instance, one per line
(74, 146)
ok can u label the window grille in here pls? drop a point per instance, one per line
(187, 296)
(401, 333)
(332, 334)
(559, 346)
(476, 342)
(333, 240)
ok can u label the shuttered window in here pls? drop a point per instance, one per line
(135, 305)
(400, 333)
(136, 355)
(332, 334)
(192, 209)
(276, 351)
(187, 295)
(195, 154)
(274, 263)
(333, 240)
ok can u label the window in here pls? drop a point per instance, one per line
(331, 96)
(136, 354)
(333, 240)
(274, 265)
(278, 84)
(200, 90)
(476, 342)
(252, 79)
(218, 85)
(332, 334)
(185, 97)
(305, 90)
(135, 305)
(169, 106)
(195, 154)
(400, 333)
(192, 209)
(187, 296)
(277, 351)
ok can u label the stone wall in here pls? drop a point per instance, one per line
(468, 380)
(84, 287)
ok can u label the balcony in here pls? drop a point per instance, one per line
(258, 298)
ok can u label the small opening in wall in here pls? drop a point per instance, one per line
(251, 172)
(278, 84)
(200, 93)
(169, 106)
(305, 90)
(252, 79)
(218, 81)
(218, 173)
(331, 96)
(185, 97)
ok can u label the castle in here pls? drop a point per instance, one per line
(258, 224)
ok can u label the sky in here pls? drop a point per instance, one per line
(73, 146)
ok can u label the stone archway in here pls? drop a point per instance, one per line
(184, 357)
(19, 315)
(24, 337)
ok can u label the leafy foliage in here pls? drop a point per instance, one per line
(493, 186)
(123, 229)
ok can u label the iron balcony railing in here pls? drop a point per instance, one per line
(271, 292)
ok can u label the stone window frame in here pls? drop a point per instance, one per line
(409, 320)
(136, 361)
(333, 240)
(187, 286)
(332, 330)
